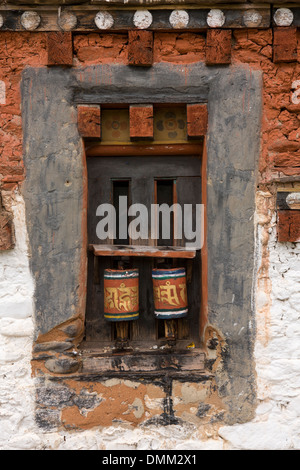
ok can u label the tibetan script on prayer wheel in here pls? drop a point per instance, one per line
(170, 294)
(121, 295)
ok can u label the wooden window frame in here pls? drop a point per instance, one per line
(96, 357)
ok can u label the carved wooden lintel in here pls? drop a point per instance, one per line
(47, 16)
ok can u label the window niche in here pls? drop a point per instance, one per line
(164, 169)
(58, 250)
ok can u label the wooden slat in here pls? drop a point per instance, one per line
(142, 251)
(168, 166)
(186, 361)
(99, 188)
(288, 187)
(189, 326)
(100, 150)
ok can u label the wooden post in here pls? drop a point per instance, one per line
(197, 120)
(122, 328)
(285, 45)
(170, 329)
(140, 48)
(60, 48)
(218, 46)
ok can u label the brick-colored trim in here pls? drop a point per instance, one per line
(141, 122)
(89, 121)
(197, 119)
(285, 45)
(140, 48)
(288, 227)
(60, 48)
(218, 46)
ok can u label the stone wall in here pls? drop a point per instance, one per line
(40, 410)
(276, 421)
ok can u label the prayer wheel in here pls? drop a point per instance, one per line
(170, 294)
(121, 295)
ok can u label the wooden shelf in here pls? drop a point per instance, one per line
(145, 251)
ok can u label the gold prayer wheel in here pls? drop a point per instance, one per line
(121, 295)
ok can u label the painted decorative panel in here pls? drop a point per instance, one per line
(169, 125)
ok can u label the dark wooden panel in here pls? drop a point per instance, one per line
(189, 192)
(142, 192)
(97, 328)
(99, 192)
(126, 167)
(281, 201)
(142, 173)
(145, 328)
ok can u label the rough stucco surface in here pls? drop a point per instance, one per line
(276, 421)
(54, 197)
(55, 207)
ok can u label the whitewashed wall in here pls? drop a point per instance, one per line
(277, 354)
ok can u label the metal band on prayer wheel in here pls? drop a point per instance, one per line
(170, 295)
(121, 295)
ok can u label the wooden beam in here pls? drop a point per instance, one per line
(89, 121)
(81, 18)
(140, 48)
(141, 122)
(99, 150)
(142, 251)
(188, 360)
(218, 47)
(285, 45)
(197, 120)
(60, 48)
